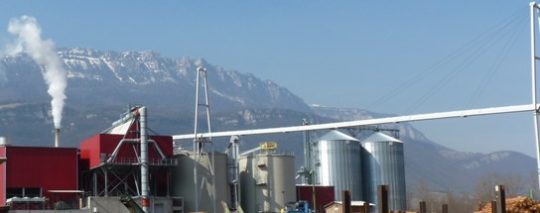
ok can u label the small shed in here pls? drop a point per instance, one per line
(337, 207)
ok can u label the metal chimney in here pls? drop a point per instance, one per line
(56, 137)
(145, 187)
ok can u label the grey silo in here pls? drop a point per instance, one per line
(384, 163)
(338, 162)
(182, 181)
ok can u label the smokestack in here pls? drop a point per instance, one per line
(43, 52)
(56, 137)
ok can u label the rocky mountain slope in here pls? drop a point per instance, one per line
(107, 77)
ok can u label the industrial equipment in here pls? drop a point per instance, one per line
(267, 180)
(298, 207)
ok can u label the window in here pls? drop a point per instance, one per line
(14, 192)
(32, 192)
(23, 192)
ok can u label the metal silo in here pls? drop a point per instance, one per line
(267, 182)
(182, 181)
(338, 162)
(384, 164)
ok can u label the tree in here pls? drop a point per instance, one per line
(514, 184)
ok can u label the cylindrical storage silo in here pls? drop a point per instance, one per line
(183, 184)
(384, 164)
(267, 182)
(338, 163)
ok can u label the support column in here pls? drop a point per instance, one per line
(346, 196)
(382, 198)
(501, 199)
(95, 187)
(307, 156)
(106, 182)
(534, 7)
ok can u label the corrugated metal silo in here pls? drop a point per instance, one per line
(384, 163)
(182, 181)
(267, 182)
(338, 163)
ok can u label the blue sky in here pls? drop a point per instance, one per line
(334, 53)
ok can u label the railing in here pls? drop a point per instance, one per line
(151, 162)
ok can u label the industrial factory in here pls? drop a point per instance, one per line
(124, 168)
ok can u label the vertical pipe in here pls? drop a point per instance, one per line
(534, 101)
(237, 175)
(307, 156)
(144, 159)
(57, 137)
(382, 198)
(313, 191)
(501, 199)
(233, 170)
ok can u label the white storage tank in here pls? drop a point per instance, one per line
(384, 164)
(182, 181)
(338, 163)
(267, 181)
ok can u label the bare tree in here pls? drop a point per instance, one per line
(515, 185)
(436, 198)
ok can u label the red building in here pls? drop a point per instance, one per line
(323, 195)
(110, 165)
(38, 177)
(98, 149)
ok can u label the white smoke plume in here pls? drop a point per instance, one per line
(29, 41)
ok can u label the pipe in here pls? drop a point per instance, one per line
(57, 137)
(307, 154)
(144, 160)
(367, 122)
(233, 155)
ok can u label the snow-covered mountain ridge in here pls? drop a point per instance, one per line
(110, 73)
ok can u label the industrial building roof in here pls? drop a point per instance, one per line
(121, 128)
(381, 137)
(336, 135)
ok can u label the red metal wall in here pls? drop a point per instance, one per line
(40, 167)
(92, 148)
(324, 195)
(3, 177)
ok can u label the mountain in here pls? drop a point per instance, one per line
(102, 83)
(117, 78)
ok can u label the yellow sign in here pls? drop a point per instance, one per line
(268, 145)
